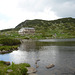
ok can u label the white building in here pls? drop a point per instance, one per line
(26, 31)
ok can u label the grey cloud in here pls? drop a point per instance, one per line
(62, 8)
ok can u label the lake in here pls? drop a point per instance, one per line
(60, 52)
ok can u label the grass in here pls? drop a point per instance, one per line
(42, 33)
(9, 44)
(17, 69)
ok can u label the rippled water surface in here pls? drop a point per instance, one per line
(60, 52)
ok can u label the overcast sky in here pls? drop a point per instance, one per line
(13, 12)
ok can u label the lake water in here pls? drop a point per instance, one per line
(60, 52)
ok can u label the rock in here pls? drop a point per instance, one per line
(32, 74)
(38, 60)
(31, 70)
(10, 70)
(37, 66)
(50, 66)
(35, 62)
(7, 63)
(4, 51)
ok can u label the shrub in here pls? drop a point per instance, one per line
(9, 41)
(8, 47)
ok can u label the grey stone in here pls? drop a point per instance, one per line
(50, 66)
(31, 70)
(37, 66)
(32, 74)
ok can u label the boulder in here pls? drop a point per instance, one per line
(31, 70)
(50, 66)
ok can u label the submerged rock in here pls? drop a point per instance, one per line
(37, 66)
(50, 66)
(38, 60)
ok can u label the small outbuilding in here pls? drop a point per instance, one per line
(26, 31)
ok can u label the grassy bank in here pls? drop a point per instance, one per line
(13, 69)
(8, 44)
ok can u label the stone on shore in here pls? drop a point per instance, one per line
(32, 74)
(31, 70)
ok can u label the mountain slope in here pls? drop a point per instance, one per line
(60, 28)
(44, 23)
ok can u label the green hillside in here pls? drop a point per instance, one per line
(60, 28)
(37, 23)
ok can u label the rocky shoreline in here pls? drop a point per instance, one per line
(7, 51)
(4, 51)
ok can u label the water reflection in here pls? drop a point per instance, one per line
(62, 54)
(18, 56)
(29, 46)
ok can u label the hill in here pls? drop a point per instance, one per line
(60, 28)
(66, 22)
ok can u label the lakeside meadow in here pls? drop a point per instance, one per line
(56, 37)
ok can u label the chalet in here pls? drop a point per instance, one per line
(26, 31)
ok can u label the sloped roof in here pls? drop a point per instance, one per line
(22, 29)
